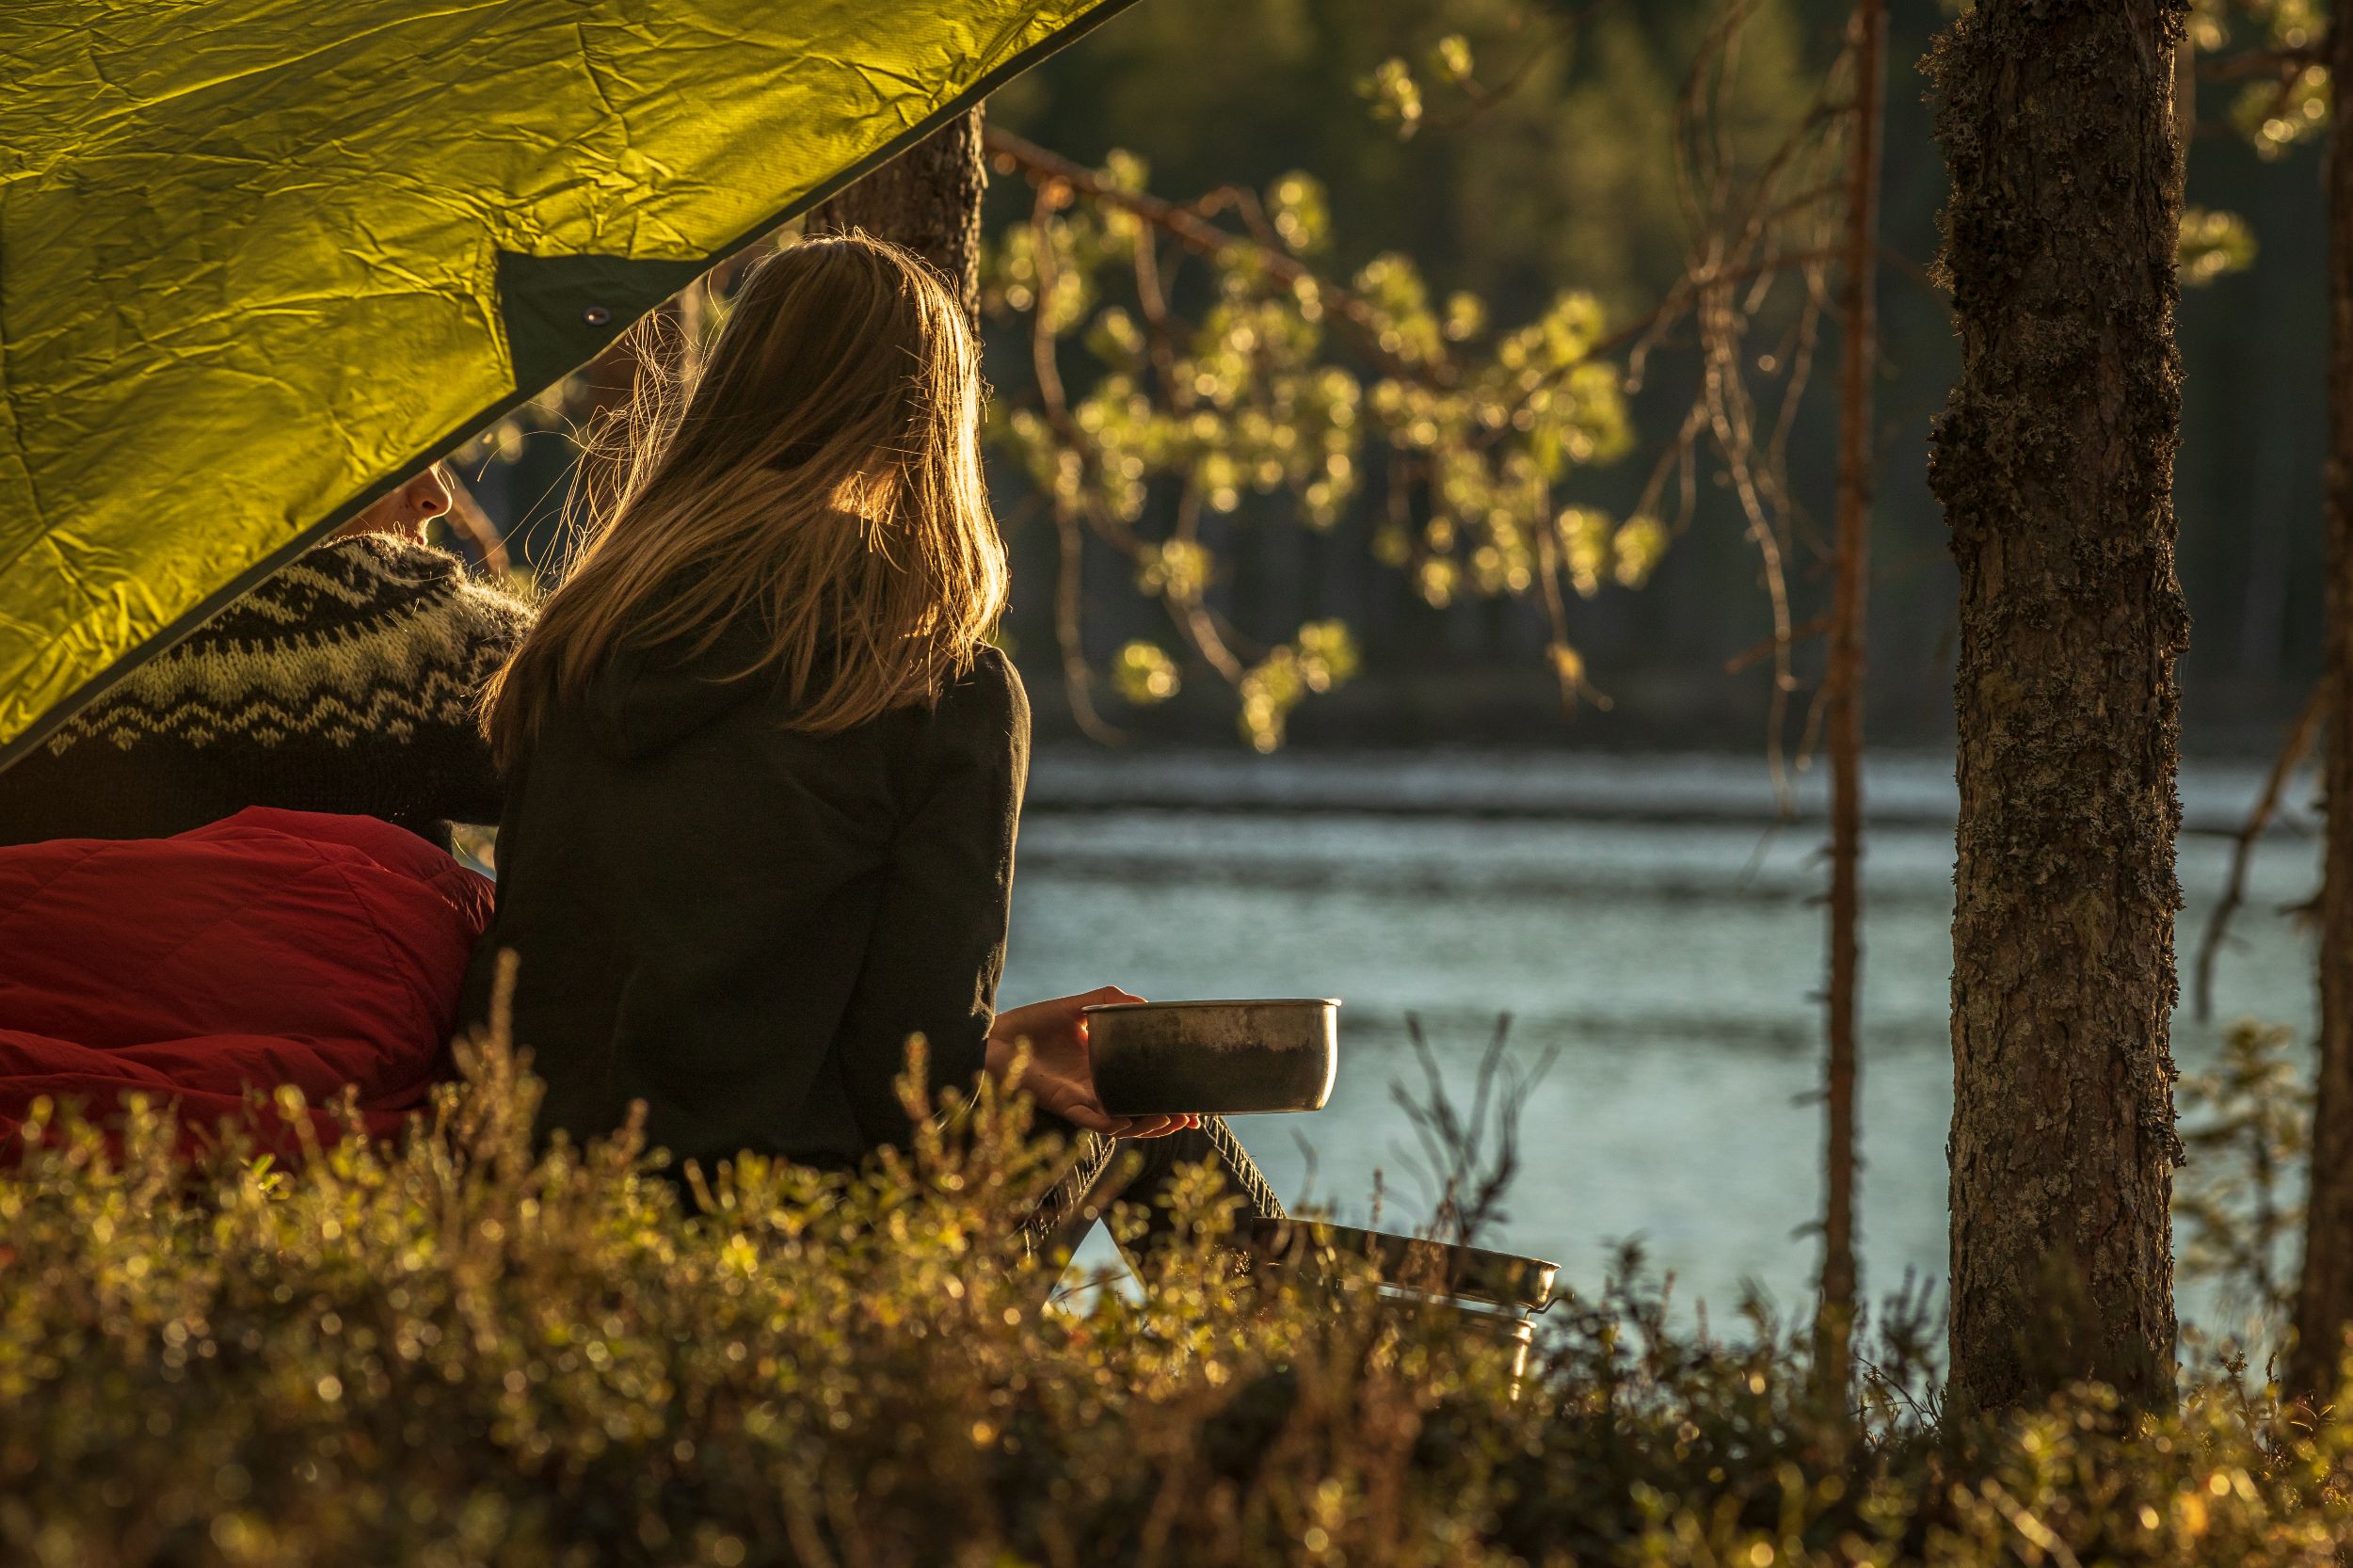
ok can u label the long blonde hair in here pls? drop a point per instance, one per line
(819, 474)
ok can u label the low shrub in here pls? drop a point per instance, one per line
(464, 1351)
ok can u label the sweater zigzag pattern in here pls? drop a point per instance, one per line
(345, 683)
(365, 639)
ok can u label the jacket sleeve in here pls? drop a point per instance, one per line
(939, 942)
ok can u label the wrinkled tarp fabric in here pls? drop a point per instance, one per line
(251, 251)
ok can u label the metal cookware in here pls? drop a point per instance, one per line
(1410, 1262)
(1488, 1295)
(1231, 1058)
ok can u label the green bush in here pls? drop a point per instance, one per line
(463, 1352)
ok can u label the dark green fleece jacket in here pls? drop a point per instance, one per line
(741, 924)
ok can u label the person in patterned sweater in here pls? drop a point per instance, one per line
(346, 683)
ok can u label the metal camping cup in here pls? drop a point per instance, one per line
(1228, 1058)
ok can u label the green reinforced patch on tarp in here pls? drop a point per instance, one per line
(261, 259)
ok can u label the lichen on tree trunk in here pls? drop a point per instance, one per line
(2054, 460)
(2324, 1301)
(927, 198)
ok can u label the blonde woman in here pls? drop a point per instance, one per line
(763, 767)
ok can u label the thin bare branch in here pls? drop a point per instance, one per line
(1077, 676)
(1842, 692)
(1767, 648)
(2258, 64)
(2292, 753)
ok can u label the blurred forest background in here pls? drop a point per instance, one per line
(1554, 168)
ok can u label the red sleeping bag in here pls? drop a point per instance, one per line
(271, 948)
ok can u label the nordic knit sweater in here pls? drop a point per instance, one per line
(344, 683)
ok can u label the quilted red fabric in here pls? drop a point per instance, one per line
(270, 947)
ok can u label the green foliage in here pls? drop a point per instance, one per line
(1286, 384)
(1395, 93)
(1466, 259)
(2213, 244)
(461, 1351)
(1566, 116)
(2268, 46)
(1320, 657)
(2237, 1206)
(1395, 96)
(1144, 673)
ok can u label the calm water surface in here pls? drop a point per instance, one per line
(1642, 920)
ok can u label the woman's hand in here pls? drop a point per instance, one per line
(1061, 1075)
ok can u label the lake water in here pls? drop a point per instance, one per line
(1643, 920)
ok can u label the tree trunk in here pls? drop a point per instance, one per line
(2324, 1298)
(927, 198)
(2054, 460)
(1843, 689)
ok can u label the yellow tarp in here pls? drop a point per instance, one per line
(261, 258)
